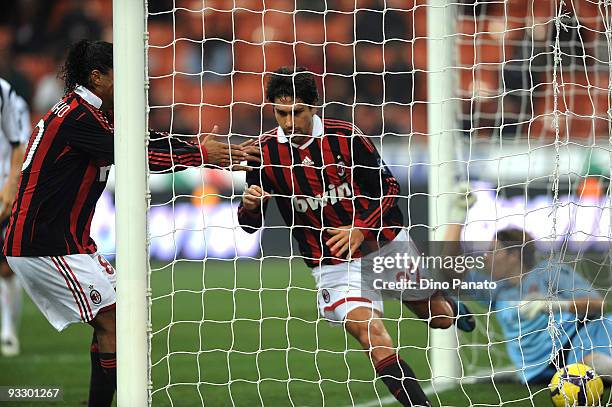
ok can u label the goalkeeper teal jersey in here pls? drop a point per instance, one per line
(532, 344)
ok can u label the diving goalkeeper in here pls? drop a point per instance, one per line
(522, 308)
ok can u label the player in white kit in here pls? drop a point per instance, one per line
(15, 129)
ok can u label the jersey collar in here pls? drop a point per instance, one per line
(88, 96)
(317, 131)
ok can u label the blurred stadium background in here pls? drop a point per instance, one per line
(371, 67)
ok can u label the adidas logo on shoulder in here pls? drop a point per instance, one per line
(307, 161)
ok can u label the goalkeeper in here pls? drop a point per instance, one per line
(336, 193)
(66, 164)
(582, 329)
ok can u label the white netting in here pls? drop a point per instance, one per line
(234, 315)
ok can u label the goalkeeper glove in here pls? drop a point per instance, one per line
(534, 305)
(461, 202)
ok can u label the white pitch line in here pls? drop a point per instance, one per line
(38, 358)
(427, 389)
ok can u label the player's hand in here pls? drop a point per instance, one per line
(7, 196)
(253, 196)
(534, 305)
(463, 199)
(252, 150)
(344, 240)
(226, 155)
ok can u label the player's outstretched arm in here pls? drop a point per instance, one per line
(586, 307)
(462, 200)
(576, 296)
(92, 134)
(221, 154)
(172, 154)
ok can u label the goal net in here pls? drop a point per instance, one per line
(517, 102)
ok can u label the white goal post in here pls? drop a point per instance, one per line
(131, 198)
(442, 125)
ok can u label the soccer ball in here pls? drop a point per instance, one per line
(576, 385)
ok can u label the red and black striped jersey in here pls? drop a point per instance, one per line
(64, 172)
(335, 179)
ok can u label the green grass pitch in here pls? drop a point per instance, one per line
(224, 322)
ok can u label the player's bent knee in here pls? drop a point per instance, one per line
(371, 340)
(441, 313)
(441, 322)
(374, 335)
(104, 329)
(104, 323)
(378, 343)
(364, 325)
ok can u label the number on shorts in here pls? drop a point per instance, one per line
(107, 266)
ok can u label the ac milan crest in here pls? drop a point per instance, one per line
(326, 296)
(95, 296)
(340, 166)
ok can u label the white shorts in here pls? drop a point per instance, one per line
(340, 287)
(67, 289)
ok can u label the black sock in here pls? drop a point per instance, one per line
(101, 390)
(400, 380)
(108, 361)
